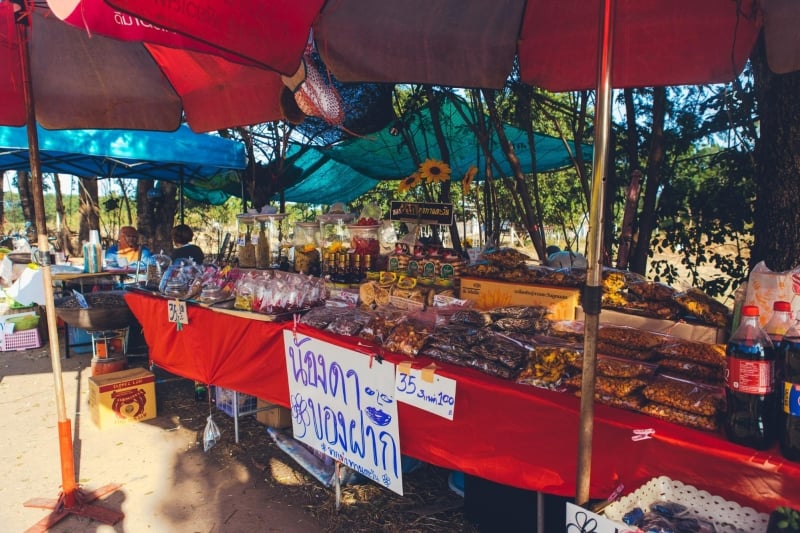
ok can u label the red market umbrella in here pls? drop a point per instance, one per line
(93, 82)
(62, 78)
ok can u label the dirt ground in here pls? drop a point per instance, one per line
(168, 483)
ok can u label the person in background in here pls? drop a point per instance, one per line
(565, 258)
(182, 236)
(127, 251)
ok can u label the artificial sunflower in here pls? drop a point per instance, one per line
(408, 183)
(434, 171)
(469, 175)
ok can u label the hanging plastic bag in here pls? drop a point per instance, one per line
(211, 434)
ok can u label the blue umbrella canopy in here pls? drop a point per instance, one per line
(181, 155)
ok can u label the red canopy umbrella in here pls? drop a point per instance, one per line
(63, 78)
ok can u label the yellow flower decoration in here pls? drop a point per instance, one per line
(434, 171)
(469, 175)
(408, 183)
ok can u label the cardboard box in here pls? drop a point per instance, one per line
(274, 416)
(488, 294)
(682, 330)
(119, 398)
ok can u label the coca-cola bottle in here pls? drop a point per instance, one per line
(752, 398)
(790, 389)
(777, 325)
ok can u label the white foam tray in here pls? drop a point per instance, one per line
(727, 516)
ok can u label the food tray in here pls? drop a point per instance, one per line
(727, 516)
(22, 340)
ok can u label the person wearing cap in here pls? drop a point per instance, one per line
(127, 250)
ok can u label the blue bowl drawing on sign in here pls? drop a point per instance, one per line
(378, 416)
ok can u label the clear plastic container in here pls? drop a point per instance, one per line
(306, 251)
(155, 267)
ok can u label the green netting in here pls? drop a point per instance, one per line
(350, 168)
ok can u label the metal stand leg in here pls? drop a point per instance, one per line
(236, 415)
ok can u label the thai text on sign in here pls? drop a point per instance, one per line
(422, 213)
(343, 405)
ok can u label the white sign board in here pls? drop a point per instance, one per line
(343, 404)
(580, 520)
(425, 390)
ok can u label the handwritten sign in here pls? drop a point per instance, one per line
(176, 312)
(425, 390)
(422, 213)
(343, 405)
(580, 520)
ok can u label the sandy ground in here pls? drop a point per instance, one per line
(167, 481)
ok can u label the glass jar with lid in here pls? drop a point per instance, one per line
(245, 247)
(334, 238)
(306, 252)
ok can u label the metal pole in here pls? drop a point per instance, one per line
(594, 275)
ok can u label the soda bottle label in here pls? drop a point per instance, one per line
(750, 377)
(791, 398)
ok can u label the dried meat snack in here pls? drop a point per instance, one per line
(696, 371)
(471, 317)
(685, 395)
(407, 338)
(618, 387)
(348, 323)
(320, 317)
(697, 303)
(626, 352)
(699, 352)
(631, 337)
(621, 368)
(520, 311)
(567, 329)
(536, 326)
(679, 416)
(501, 349)
(632, 402)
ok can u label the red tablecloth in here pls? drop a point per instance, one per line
(512, 434)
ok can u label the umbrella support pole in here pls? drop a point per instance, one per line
(72, 500)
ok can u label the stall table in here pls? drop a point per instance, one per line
(513, 434)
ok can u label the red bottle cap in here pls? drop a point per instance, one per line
(750, 310)
(780, 305)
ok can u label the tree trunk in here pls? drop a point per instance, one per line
(647, 219)
(88, 209)
(520, 186)
(776, 226)
(155, 214)
(64, 237)
(26, 202)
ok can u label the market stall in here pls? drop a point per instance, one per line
(502, 431)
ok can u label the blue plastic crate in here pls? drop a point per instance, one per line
(224, 398)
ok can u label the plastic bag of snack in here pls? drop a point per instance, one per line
(211, 434)
(407, 338)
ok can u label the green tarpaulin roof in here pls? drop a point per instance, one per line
(348, 169)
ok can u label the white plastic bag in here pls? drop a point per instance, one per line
(764, 287)
(210, 435)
